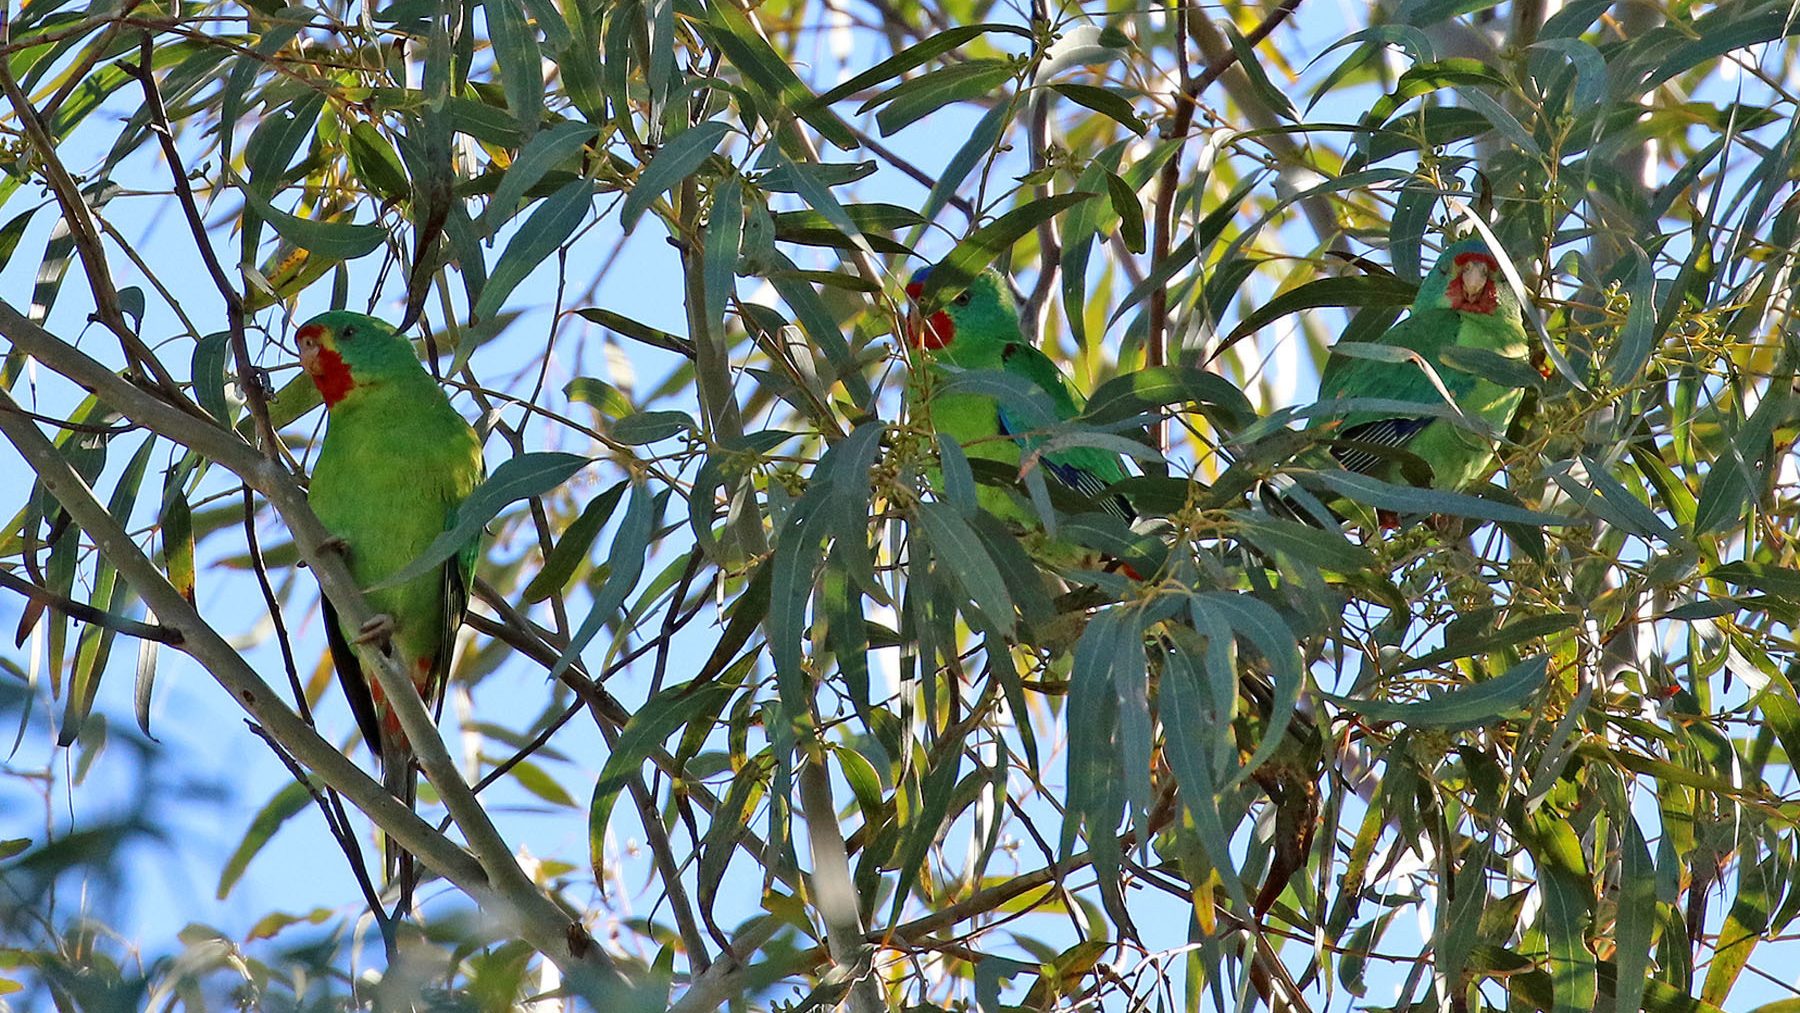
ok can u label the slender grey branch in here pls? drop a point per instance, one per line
(494, 879)
(88, 613)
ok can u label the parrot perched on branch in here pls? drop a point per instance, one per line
(1464, 303)
(979, 329)
(396, 463)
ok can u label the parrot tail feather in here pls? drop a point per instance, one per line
(400, 776)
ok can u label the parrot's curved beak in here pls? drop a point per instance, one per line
(912, 327)
(1475, 276)
(311, 341)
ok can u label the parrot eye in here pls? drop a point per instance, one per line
(349, 331)
(962, 300)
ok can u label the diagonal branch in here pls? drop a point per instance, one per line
(88, 613)
(494, 879)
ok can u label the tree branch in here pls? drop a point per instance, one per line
(87, 242)
(1187, 101)
(494, 878)
(85, 612)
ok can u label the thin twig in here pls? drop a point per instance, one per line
(86, 238)
(918, 175)
(256, 399)
(88, 613)
(1169, 179)
(340, 831)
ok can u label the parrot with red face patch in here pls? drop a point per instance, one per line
(1464, 302)
(396, 462)
(979, 329)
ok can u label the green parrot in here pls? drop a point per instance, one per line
(979, 329)
(396, 463)
(1464, 302)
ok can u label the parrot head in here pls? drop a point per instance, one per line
(1467, 278)
(343, 351)
(981, 314)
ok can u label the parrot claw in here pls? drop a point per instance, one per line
(377, 630)
(335, 544)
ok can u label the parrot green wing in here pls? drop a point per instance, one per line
(1088, 470)
(1454, 453)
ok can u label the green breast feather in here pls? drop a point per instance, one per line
(1463, 303)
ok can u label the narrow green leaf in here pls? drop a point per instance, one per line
(638, 331)
(1589, 67)
(745, 48)
(1130, 210)
(1461, 707)
(573, 546)
(1503, 121)
(675, 162)
(1252, 66)
(1566, 890)
(555, 147)
(1610, 500)
(1362, 290)
(1147, 390)
(603, 397)
(640, 428)
(1779, 581)
(375, 162)
(177, 529)
(724, 234)
(537, 240)
(1105, 101)
(1513, 634)
(910, 101)
(915, 55)
(1406, 499)
(332, 240)
(781, 178)
(1635, 926)
(1489, 365)
(960, 552)
(1637, 337)
(658, 718)
(1327, 549)
(921, 831)
(630, 547)
(287, 802)
(538, 781)
(982, 140)
(521, 477)
(13, 231)
(1191, 730)
(208, 374)
(550, 22)
(983, 246)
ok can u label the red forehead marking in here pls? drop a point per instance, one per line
(939, 329)
(1468, 255)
